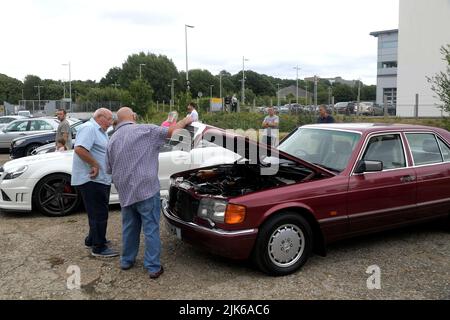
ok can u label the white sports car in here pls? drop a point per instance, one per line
(42, 182)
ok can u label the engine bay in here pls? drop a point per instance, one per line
(232, 180)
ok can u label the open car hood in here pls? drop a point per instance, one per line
(255, 152)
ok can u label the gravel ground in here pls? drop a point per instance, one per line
(36, 252)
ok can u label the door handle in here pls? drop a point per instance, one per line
(407, 178)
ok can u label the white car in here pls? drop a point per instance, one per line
(42, 182)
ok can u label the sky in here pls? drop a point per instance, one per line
(327, 38)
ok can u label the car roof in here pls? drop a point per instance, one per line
(370, 127)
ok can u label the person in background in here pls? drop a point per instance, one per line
(270, 125)
(192, 113)
(63, 130)
(234, 103)
(171, 119)
(61, 145)
(90, 178)
(132, 159)
(324, 116)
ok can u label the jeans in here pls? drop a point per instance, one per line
(143, 214)
(96, 200)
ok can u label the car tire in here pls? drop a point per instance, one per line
(284, 244)
(30, 149)
(53, 196)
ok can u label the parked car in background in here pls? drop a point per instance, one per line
(5, 120)
(24, 113)
(329, 182)
(25, 127)
(341, 107)
(24, 146)
(42, 182)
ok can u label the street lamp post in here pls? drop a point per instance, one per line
(211, 86)
(70, 84)
(306, 94)
(187, 68)
(278, 95)
(220, 86)
(243, 79)
(172, 93)
(359, 96)
(316, 79)
(140, 70)
(39, 95)
(297, 68)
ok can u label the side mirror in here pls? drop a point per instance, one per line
(368, 166)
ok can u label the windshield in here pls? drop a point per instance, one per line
(330, 149)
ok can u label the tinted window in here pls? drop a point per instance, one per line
(387, 149)
(424, 148)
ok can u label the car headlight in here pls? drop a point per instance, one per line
(212, 209)
(18, 142)
(15, 173)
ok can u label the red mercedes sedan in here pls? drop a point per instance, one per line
(323, 183)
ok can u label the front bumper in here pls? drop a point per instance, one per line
(16, 195)
(231, 244)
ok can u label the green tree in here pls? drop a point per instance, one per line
(29, 90)
(440, 83)
(157, 71)
(112, 77)
(10, 89)
(342, 93)
(141, 96)
(369, 93)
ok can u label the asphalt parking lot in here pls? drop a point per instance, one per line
(37, 252)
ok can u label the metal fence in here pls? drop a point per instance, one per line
(49, 107)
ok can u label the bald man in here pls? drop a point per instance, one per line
(91, 180)
(132, 158)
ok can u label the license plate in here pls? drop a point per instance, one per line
(175, 231)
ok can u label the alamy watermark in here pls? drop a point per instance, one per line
(74, 280)
(234, 145)
(374, 281)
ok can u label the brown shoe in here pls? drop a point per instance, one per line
(155, 275)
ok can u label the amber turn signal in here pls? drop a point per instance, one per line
(235, 214)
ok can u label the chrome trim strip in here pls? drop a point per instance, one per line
(201, 228)
(334, 219)
(422, 204)
(369, 213)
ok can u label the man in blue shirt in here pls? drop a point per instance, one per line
(92, 181)
(324, 117)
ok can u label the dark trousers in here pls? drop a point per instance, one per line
(96, 199)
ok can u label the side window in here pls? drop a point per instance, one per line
(38, 125)
(387, 149)
(18, 126)
(424, 148)
(445, 150)
(45, 125)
